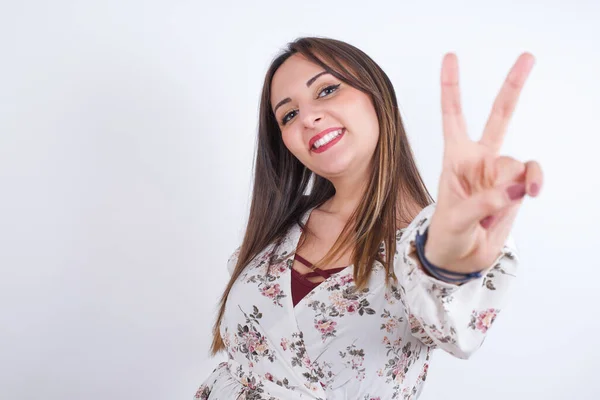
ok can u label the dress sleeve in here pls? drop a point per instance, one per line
(452, 317)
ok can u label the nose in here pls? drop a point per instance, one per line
(311, 116)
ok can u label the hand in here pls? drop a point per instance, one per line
(480, 192)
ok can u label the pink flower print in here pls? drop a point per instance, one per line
(306, 361)
(277, 270)
(249, 383)
(264, 256)
(269, 377)
(390, 325)
(271, 291)
(325, 326)
(483, 320)
(261, 347)
(351, 308)
(398, 371)
(202, 393)
(284, 343)
(227, 340)
(254, 343)
(345, 279)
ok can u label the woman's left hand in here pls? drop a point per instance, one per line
(480, 192)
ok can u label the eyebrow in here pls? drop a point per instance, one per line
(308, 83)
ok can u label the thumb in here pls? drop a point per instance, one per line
(487, 203)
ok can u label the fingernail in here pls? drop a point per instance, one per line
(516, 192)
(534, 189)
(487, 221)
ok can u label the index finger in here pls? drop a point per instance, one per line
(452, 116)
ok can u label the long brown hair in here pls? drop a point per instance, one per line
(393, 196)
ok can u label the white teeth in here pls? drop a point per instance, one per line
(327, 138)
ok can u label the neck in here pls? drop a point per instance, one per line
(348, 193)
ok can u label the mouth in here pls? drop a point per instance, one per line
(323, 141)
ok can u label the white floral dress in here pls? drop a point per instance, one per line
(336, 344)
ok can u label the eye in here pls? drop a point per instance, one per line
(330, 89)
(285, 119)
(333, 88)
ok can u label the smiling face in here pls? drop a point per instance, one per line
(331, 127)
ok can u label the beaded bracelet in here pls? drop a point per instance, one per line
(437, 272)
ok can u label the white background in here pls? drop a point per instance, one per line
(127, 132)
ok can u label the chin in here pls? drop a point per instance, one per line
(333, 168)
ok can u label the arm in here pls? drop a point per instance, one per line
(453, 317)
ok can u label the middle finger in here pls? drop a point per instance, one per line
(506, 101)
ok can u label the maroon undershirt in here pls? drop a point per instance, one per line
(302, 286)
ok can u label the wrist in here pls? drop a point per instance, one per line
(436, 271)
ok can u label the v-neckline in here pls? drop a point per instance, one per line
(297, 233)
(296, 239)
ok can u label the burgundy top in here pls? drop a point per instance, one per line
(302, 286)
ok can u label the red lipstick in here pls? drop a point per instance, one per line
(321, 149)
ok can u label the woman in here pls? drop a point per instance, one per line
(315, 308)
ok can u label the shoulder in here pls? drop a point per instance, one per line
(232, 260)
(425, 212)
(415, 215)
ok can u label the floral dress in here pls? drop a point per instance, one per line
(337, 343)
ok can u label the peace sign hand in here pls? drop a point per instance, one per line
(480, 191)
